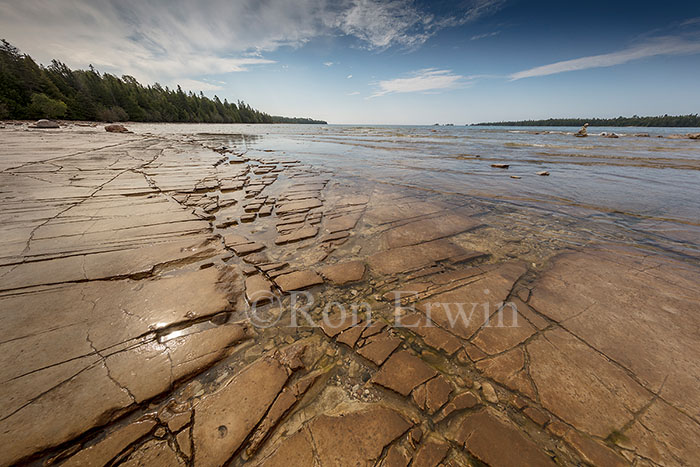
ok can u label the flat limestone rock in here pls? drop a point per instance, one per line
(298, 206)
(497, 442)
(404, 259)
(428, 229)
(379, 348)
(309, 231)
(348, 438)
(155, 453)
(258, 288)
(509, 370)
(403, 372)
(653, 329)
(462, 311)
(298, 280)
(114, 442)
(432, 335)
(430, 453)
(223, 420)
(438, 392)
(560, 365)
(344, 273)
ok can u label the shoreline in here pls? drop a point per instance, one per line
(133, 263)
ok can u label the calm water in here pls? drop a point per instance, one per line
(642, 184)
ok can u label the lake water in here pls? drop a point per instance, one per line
(634, 189)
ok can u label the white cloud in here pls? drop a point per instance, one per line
(348, 77)
(328, 63)
(426, 80)
(485, 35)
(171, 39)
(195, 86)
(652, 48)
(354, 93)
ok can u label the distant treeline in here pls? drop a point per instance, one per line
(29, 91)
(664, 121)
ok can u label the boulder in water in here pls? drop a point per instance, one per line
(43, 123)
(116, 129)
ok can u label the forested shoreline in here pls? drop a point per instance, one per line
(689, 121)
(30, 91)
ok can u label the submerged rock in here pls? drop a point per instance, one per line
(46, 124)
(116, 129)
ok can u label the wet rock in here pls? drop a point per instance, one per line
(297, 235)
(432, 335)
(184, 442)
(350, 336)
(403, 372)
(223, 420)
(543, 173)
(155, 453)
(430, 453)
(298, 280)
(258, 289)
(116, 129)
(497, 442)
(345, 438)
(396, 457)
(341, 223)
(465, 400)
(500, 166)
(648, 335)
(560, 365)
(426, 230)
(378, 348)
(438, 392)
(344, 273)
(298, 206)
(509, 370)
(114, 442)
(536, 415)
(407, 258)
(592, 451)
(506, 329)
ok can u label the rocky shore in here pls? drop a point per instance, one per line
(172, 301)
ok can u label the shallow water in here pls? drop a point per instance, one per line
(642, 187)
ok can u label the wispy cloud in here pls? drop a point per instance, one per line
(485, 35)
(354, 93)
(196, 85)
(329, 63)
(348, 77)
(652, 48)
(426, 80)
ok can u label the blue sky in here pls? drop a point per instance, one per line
(393, 61)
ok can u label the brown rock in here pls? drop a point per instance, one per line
(403, 372)
(177, 421)
(432, 335)
(114, 442)
(438, 392)
(509, 370)
(418, 395)
(407, 258)
(349, 438)
(298, 206)
(489, 393)
(297, 235)
(500, 166)
(536, 415)
(594, 452)
(430, 453)
(116, 129)
(298, 280)
(505, 329)
(422, 231)
(350, 336)
(155, 453)
(560, 365)
(184, 442)
(378, 348)
(223, 420)
(344, 273)
(465, 400)
(497, 442)
(396, 457)
(258, 289)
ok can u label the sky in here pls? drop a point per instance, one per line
(386, 62)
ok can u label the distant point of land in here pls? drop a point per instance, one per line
(688, 121)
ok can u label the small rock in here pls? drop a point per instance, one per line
(116, 129)
(489, 393)
(500, 166)
(517, 177)
(43, 123)
(543, 173)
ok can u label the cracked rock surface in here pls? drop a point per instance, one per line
(210, 300)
